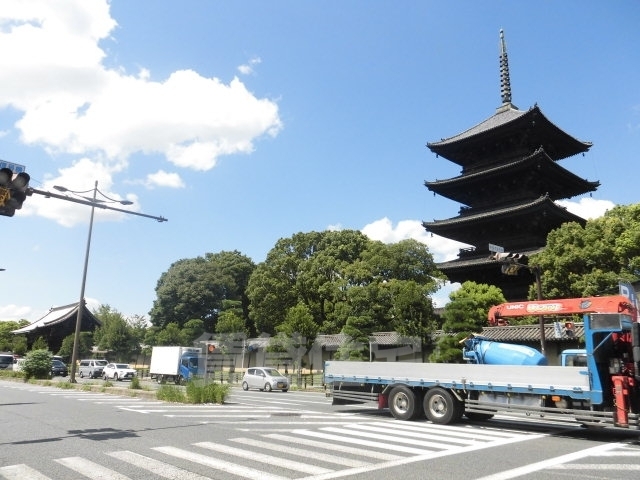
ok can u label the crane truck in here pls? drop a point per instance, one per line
(514, 379)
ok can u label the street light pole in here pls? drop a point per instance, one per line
(93, 202)
(76, 337)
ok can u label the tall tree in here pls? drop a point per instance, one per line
(343, 280)
(116, 335)
(591, 260)
(197, 288)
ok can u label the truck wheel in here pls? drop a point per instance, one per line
(159, 378)
(179, 380)
(245, 386)
(441, 407)
(402, 403)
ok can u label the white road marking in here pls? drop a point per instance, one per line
(90, 469)
(261, 457)
(323, 457)
(218, 464)
(552, 462)
(156, 466)
(334, 447)
(361, 442)
(21, 472)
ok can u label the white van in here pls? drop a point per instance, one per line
(91, 368)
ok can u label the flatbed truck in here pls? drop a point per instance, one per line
(604, 393)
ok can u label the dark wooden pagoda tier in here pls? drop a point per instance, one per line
(507, 135)
(509, 181)
(481, 268)
(515, 227)
(532, 176)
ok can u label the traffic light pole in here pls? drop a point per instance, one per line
(510, 266)
(543, 341)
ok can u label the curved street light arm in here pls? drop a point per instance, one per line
(90, 203)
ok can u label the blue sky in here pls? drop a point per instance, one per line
(246, 122)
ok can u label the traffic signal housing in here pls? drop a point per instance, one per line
(13, 191)
(509, 257)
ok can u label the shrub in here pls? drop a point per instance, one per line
(37, 364)
(135, 383)
(169, 393)
(200, 392)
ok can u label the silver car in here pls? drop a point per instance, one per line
(265, 378)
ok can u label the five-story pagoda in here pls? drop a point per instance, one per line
(508, 185)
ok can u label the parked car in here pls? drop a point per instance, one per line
(92, 368)
(264, 378)
(59, 368)
(6, 361)
(118, 371)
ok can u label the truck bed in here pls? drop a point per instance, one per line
(569, 381)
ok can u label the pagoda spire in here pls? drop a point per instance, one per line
(505, 82)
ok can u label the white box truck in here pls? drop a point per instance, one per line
(176, 364)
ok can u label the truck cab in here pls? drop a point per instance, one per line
(574, 357)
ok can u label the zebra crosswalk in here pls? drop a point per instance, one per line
(319, 453)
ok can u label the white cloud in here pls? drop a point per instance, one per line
(383, 230)
(164, 179)
(85, 108)
(247, 68)
(75, 178)
(587, 207)
(14, 312)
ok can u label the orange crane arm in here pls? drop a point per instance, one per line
(608, 304)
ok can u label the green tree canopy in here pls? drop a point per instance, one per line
(591, 260)
(8, 339)
(465, 314)
(116, 334)
(197, 289)
(345, 282)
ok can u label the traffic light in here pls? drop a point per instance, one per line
(211, 348)
(509, 257)
(569, 329)
(13, 191)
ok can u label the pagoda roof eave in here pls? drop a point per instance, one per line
(478, 261)
(515, 226)
(505, 213)
(504, 121)
(565, 183)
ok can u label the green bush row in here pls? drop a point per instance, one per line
(197, 391)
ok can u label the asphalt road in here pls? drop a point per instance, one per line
(59, 434)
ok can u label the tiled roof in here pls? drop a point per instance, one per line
(502, 117)
(525, 333)
(56, 316)
(507, 212)
(558, 181)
